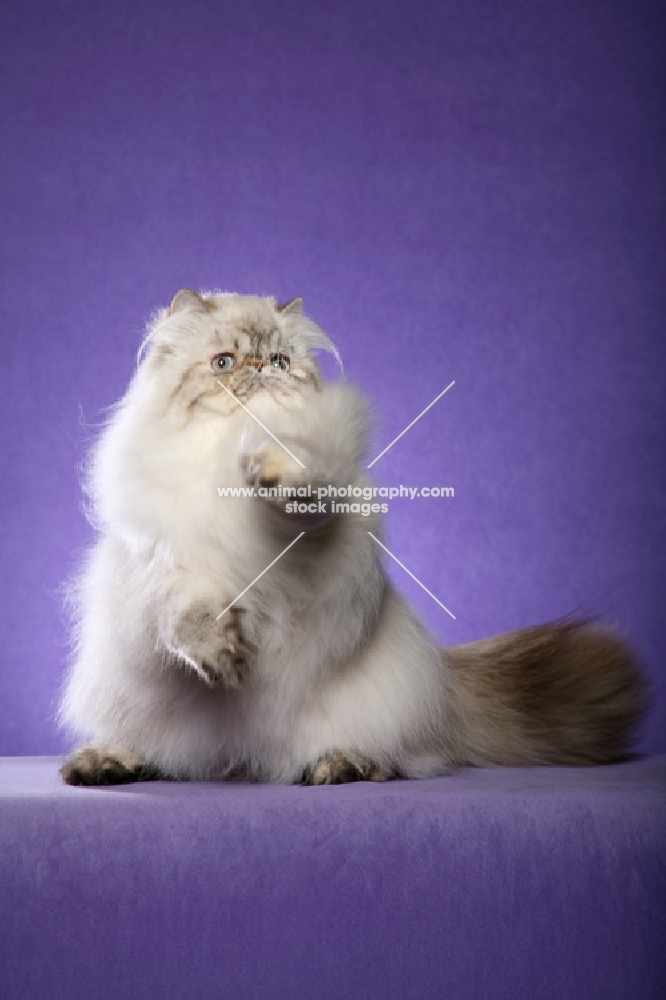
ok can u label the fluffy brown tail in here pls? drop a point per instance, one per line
(567, 692)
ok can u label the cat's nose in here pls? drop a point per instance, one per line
(257, 363)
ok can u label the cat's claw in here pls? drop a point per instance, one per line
(229, 669)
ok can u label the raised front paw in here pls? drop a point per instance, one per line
(290, 493)
(338, 767)
(270, 465)
(216, 648)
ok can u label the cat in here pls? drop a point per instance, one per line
(227, 637)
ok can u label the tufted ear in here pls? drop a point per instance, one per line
(292, 307)
(186, 299)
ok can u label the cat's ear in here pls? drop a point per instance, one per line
(186, 299)
(293, 307)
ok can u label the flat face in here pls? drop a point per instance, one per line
(206, 350)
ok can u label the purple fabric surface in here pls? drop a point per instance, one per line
(468, 191)
(532, 883)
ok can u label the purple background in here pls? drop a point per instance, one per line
(468, 191)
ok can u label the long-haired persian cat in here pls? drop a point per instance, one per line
(319, 672)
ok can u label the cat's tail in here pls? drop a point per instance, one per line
(567, 692)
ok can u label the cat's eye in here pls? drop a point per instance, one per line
(223, 362)
(280, 361)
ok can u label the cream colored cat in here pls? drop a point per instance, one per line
(321, 672)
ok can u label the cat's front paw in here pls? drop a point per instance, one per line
(289, 491)
(270, 466)
(216, 649)
(337, 767)
(105, 764)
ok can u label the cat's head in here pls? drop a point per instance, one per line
(206, 352)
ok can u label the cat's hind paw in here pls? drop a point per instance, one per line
(338, 767)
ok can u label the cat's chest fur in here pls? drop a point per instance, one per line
(163, 485)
